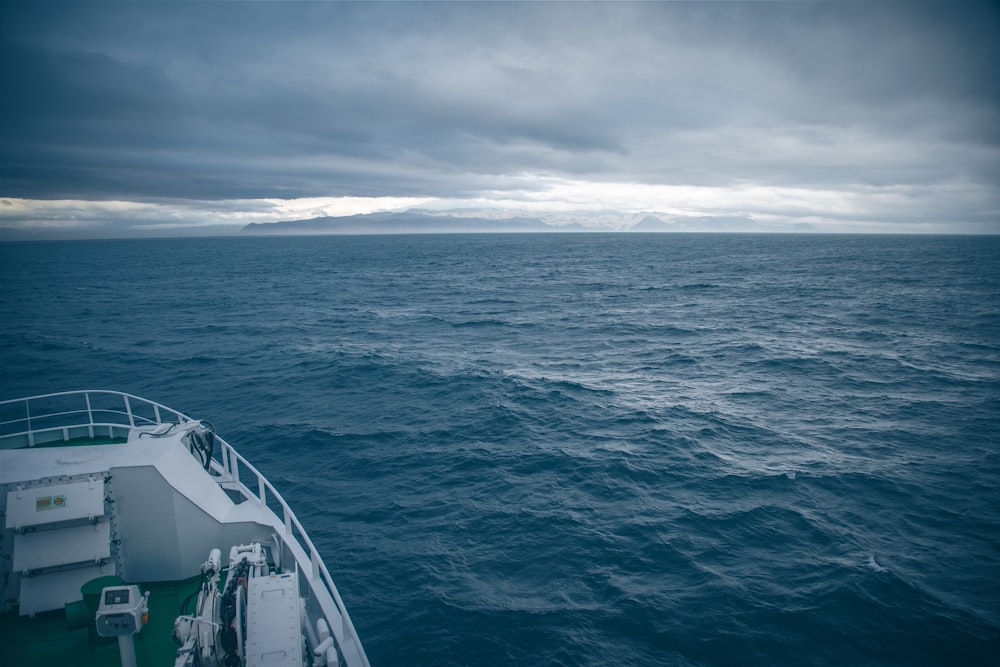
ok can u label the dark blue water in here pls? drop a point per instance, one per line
(581, 450)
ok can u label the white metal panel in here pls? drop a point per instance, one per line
(39, 505)
(75, 544)
(274, 635)
(165, 533)
(52, 591)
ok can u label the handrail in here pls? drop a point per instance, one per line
(89, 410)
(228, 464)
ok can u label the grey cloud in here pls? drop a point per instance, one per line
(216, 100)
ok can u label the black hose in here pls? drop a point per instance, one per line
(204, 442)
(201, 587)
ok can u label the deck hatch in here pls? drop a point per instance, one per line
(49, 548)
(39, 505)
(273, 623)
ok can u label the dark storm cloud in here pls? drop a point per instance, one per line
(274, 99)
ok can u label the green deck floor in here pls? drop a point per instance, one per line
(45, 640)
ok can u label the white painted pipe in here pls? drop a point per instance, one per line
(126, 647)
(322, 629)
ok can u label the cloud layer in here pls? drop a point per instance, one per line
(866, 113)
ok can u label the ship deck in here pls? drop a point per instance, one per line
(46, 640)
(161, 491)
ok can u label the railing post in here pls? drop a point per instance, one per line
(27, 413)
(128, 409)
(314, 561)
(90, 414)
(288, 520)
(261, 490)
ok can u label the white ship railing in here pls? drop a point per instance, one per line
(48, 419)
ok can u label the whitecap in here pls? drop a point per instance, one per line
(874, 566)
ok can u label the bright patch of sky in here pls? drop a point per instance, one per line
(173, 214)
(554, 201)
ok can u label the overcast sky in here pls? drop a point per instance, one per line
(847, 116)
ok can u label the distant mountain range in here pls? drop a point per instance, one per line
(422, 221)
(428, 222)
(408, 222)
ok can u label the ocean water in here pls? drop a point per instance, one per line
(581, 449)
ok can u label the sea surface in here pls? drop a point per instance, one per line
(595, 449)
